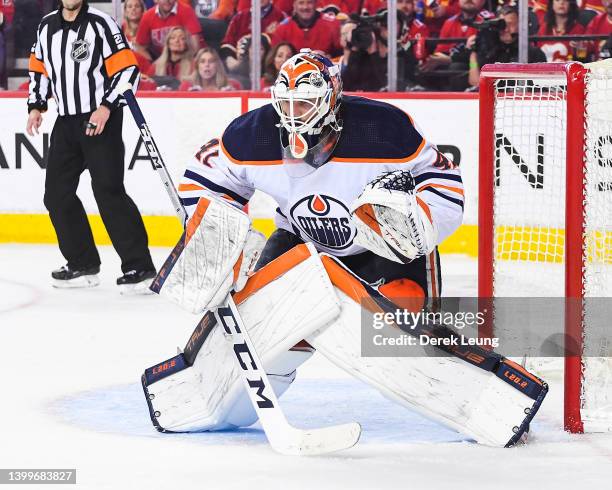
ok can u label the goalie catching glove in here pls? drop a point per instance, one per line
(392, 221)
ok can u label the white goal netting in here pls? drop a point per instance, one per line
(530, 123)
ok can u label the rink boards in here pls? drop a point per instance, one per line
(181, 123)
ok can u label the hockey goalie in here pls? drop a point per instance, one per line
(363, 201)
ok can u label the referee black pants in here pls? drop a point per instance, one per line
(70, 153)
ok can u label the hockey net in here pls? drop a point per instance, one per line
(545, 213)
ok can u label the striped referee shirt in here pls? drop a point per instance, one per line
(80, 63)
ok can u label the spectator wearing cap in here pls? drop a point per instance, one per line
(308, 28)
(240, 26)
(157, 22)
(460, 25)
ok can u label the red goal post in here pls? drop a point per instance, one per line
(544, 217)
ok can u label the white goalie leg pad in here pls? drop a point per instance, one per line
(447, 389)
(281, 304)
(392, 221)
(251, 252)
(204, 265)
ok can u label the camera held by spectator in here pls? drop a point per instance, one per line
(244, 52)
(485, 41)
(366, 50)
(366, 33)
(496, 42)
(365, 69)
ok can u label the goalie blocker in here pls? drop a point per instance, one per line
(303, 295)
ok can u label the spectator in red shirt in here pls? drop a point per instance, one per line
(308, 28)
(538, 7)
(561, 19)
(209, 74)
(436, 12)
(157, 22)
(7, 9)
(240, 26)
(176, 60)
(460, 25)
(285, 6)
(412, 30)
(601, 24)
(273, 62)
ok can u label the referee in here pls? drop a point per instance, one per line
(80, 58)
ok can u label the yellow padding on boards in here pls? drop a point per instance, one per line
(163, 231)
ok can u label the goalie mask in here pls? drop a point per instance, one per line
(306, 96)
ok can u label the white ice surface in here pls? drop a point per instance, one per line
(70, 397)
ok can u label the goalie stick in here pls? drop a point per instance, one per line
(282, 436)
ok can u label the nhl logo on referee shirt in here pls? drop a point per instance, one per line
(79, 51)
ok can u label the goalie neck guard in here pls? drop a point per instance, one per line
(307, 96)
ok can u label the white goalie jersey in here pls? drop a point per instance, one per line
(376, 138)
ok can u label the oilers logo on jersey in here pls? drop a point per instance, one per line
(324, 220)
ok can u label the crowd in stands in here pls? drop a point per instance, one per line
(206, 44)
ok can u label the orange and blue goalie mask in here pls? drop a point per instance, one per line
(306, 96)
